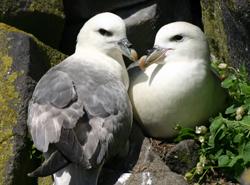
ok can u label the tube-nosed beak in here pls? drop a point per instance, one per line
(154, 55)
(127, 50)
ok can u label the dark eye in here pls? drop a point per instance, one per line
(176, 38)
(105, 32)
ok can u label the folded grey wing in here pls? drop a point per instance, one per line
(112, 118)
(54, 105)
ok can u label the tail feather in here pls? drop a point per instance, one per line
(54, 163)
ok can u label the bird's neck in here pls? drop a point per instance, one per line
(186, 58)
(113, 62)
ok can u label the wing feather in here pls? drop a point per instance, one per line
(54, 105)
(111, 124)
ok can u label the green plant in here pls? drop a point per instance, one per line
(225, 145)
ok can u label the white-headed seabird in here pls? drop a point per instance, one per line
(177, 85)
(80, 113)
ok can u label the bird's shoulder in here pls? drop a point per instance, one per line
(55, 88)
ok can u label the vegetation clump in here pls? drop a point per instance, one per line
(225, 144)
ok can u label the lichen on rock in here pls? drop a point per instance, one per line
(45, 180)
(43, 18)
(23, 60)
(48, 6)
(53, 56)
(214, 29)
(9, 99)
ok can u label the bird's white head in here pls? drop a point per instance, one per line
(178, 40)
(105, 32)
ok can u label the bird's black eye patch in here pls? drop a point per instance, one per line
(105, 32)
(176, 38)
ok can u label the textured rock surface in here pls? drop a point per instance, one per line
(227, 25)
(23, 60)
(42, 18)
(183, 157)
(143, 18)
(151, 170)
(140, 17)
(141, 166)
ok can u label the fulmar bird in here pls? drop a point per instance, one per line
(177, 85)
(80, 114)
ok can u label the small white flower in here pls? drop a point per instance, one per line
(199, 168)
(240, 111)
(238, 117)
(188, 176)
(201, 129)
(201, 139)
(222, 66)
(203, 160)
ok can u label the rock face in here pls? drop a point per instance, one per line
(183, 157)
(43, 18)
(227, 25)
(140, 16)
(23, 60)
(141, 166)
(151, 170)
(143, 18)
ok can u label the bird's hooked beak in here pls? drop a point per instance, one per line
(154, 55)
(127, 50)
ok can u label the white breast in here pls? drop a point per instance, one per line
(165, 95)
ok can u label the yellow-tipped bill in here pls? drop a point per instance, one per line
(154, 55)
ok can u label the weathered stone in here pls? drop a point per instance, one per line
(179, 10)
(23, 60)
(45, 180)
(88, 8)
(141, 21)
(141, 166)
(42, 18)
(150, 169)
(143, 18)
(227, 26)
(140, 18)
(183, 157)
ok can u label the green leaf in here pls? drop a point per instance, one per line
(245, 88)
(211, 142)
(230, 154)
(245, 120)
(185, 133)
(229, 81)
(223, 161)
(221, 133)
(216, 124)
(247, 102)
(238, 138)
(230, 109)
(235, 160)
(246, 153)
(218, 153)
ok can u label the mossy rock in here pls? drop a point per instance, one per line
(23, 60)
(45, 180)
(227, 26)
(214, 29)
(43, 18)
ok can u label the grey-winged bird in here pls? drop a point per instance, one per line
(177, 85)
(80, 114)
